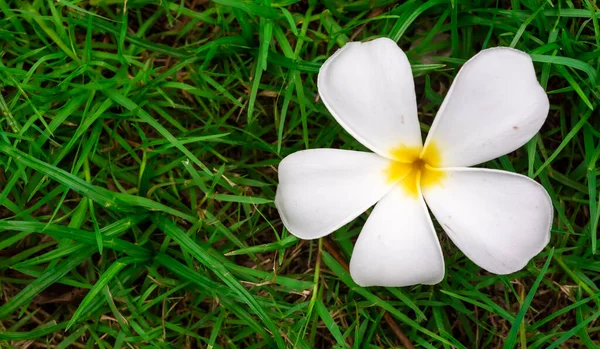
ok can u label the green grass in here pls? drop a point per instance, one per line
(138, 164)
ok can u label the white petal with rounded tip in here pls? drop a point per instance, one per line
(368, 88)
(500, 220)
(397, 246)
(320, 190)
(494, 106)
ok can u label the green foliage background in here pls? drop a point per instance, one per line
(139, 144)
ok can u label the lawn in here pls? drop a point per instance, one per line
(139, 146)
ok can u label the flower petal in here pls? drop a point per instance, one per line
(500, 220)
(320, 190)
(397, 246)
(494, 106)
(368, 88)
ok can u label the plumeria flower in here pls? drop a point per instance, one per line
(500, 220)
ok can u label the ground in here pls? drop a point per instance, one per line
(139, 144)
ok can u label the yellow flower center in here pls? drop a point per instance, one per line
(414, 168)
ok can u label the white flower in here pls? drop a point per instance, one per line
(500, 220)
